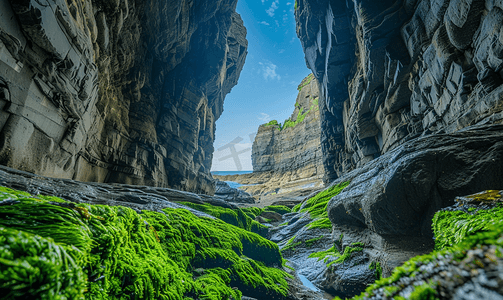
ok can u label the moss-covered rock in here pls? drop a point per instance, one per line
(317, 206)
(61, 250)
(237, 217)
(468, 244)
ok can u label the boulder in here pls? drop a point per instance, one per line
(225, 192)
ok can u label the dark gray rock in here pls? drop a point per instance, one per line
(389, 203)
(224, 191)
(271, 216)
(395, 70)
(117, 91)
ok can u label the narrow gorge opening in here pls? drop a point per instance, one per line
(377, 171)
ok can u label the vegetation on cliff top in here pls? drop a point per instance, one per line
(59, 250)
(300, 117)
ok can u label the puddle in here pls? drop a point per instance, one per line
(308, 283)
(312, 287)
(233, 184)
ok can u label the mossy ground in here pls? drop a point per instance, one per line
(333, 253)
(456, 232)
(236, 217)
(317, 206)
(52, 249)
(241, 217)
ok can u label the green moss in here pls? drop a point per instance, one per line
(332, 252)
(271, 123)
(451, 227)
(378, 269)
(33, 267)
(310, 242)
(317, 206)
(489, 231)
(253, 212)
(295, 5)
(325, 255)
(355, 247)
(307, 80)
(103, 252)
(320, 223)
(236, 217)
(423, 292)
(290, 244)
(280, 209)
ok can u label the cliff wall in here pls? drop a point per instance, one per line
(293, 146)
(391, 71)
(117, 91)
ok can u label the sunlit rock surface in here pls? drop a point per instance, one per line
(117, 91)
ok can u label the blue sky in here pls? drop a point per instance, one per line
(267, 87)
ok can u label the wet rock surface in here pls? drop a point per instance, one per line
(117, 91)
(387, 208)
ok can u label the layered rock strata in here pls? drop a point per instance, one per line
(390, 71)
(280, 148)
(117, 91)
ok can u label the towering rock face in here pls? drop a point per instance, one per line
(393, 70)
(117, 91)
(293, 147)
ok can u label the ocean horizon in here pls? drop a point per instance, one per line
(223, 173)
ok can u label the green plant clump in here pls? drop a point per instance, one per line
(355, 247)
(378, 269)
(325, 255)
(271, 123)
(310, 242)
(290, 244)
(280, 209)
(60, 250)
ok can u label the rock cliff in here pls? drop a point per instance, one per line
(286, 155)
(390, 71)
(117, 91)
(295, 144)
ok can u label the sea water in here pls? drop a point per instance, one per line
(223, 173)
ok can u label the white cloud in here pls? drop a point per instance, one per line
(281, 51)
(273, 7)
(269, 70)
(288, 3)
(264, 23)
(265, 117)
